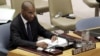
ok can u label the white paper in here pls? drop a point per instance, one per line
(98, 37)
(6, 14)
(49, 49)
(59, 42)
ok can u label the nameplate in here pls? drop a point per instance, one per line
(85, 48)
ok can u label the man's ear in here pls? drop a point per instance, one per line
(22, 10)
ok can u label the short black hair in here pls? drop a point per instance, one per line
(26, 4)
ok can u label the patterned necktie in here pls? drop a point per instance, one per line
(29, 33)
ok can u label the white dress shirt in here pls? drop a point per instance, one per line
(24, 21)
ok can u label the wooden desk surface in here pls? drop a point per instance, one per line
(20, 52)
(94, 52)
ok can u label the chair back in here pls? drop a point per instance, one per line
(91, 3)
(16, 4)
(2, 2)
(88, 23)
(41, 6)
(63, 6)
(4, 37)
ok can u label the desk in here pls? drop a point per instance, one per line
(20, 52)
(94, 52)
(68, 52)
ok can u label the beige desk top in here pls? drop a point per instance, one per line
(19, 52)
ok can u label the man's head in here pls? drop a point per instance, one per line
(28, 10)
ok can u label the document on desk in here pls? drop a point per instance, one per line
(59, 42)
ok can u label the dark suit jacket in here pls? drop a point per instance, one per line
(19, 36)
(98, 1)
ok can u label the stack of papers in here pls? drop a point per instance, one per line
(59, 42)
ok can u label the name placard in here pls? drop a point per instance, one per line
(84, 48)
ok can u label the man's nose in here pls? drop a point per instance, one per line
(32, 16)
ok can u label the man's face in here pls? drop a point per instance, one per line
(28, 13)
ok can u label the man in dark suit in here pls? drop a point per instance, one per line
(20, 33)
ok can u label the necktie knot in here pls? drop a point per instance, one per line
(29, 33)
(28, 23)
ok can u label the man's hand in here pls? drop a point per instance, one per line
(42, 45)
(53, 38)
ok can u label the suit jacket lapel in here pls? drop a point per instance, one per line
(22, 26)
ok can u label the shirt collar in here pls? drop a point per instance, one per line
(23, 19)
